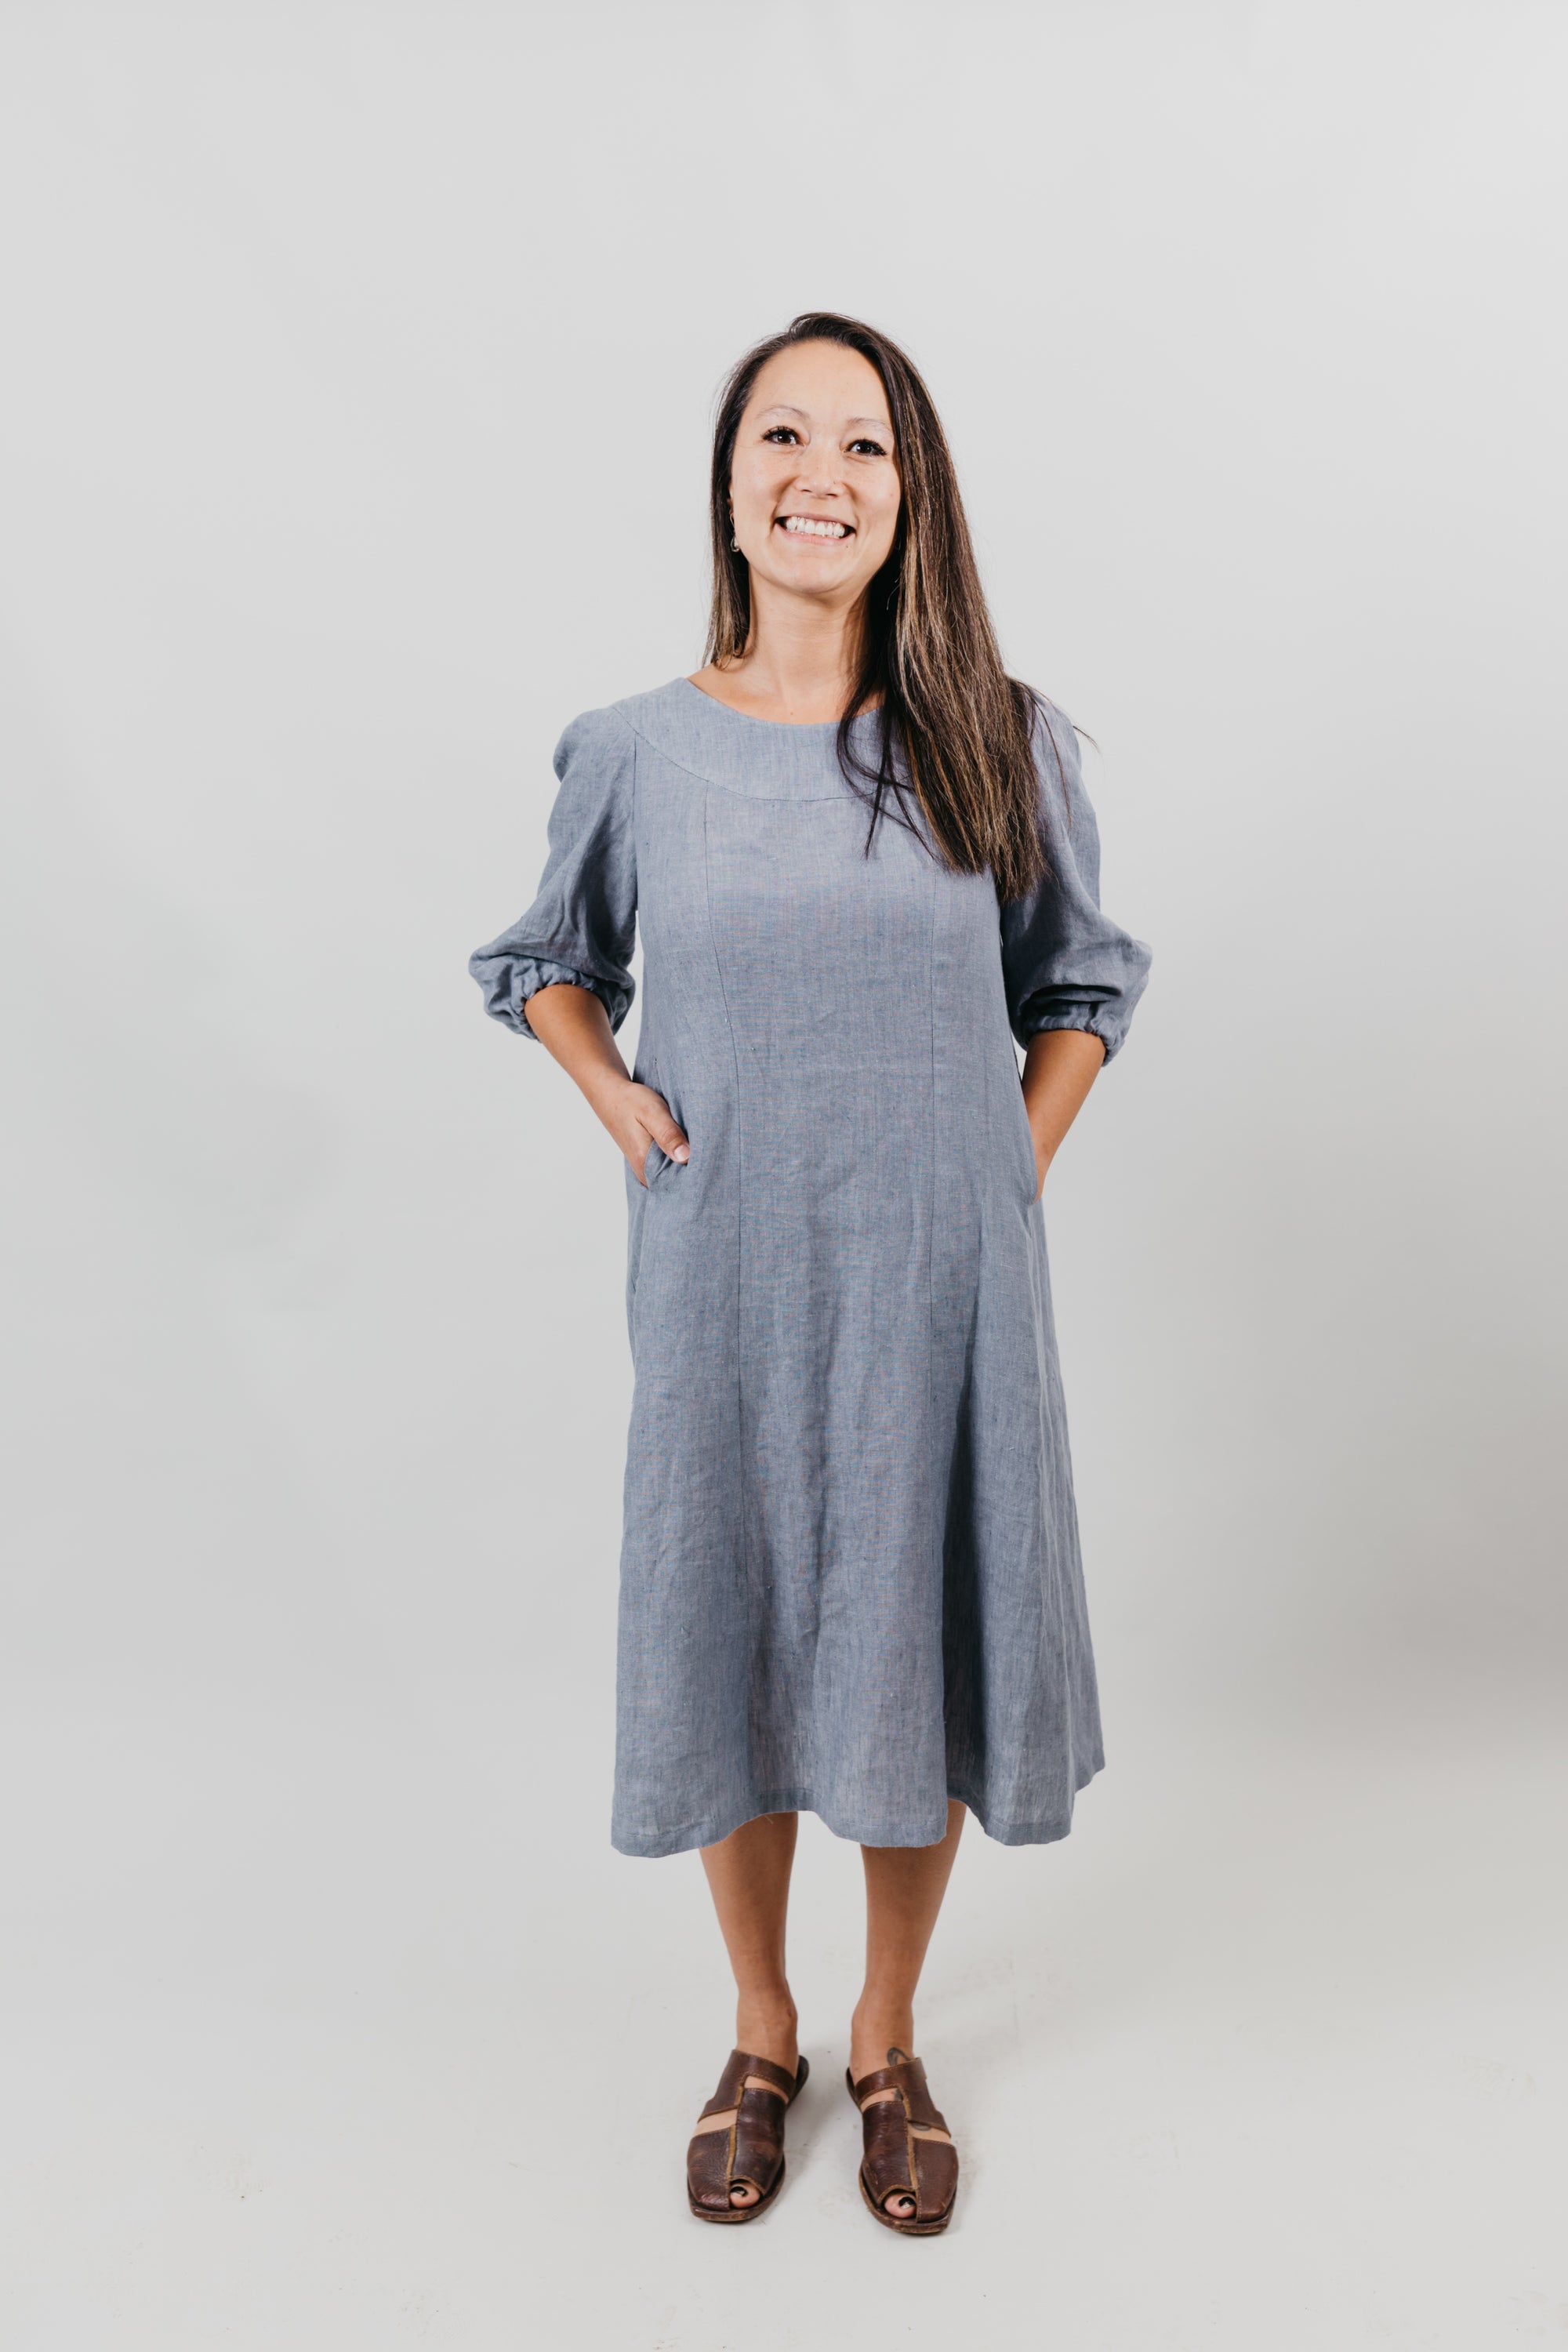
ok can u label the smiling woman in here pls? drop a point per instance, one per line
(851, 502)
(863, 865)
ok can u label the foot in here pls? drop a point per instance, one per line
(909, 2165)
(735, 2160)
(878, 2035)
(763, 2029)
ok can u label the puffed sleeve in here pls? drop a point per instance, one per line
(581, 927)
(1065, 964)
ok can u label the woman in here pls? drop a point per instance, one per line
(862, 857)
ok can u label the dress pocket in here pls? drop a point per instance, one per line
(657, 1165)
(1028, 1168)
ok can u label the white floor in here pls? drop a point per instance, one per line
(325, 2042)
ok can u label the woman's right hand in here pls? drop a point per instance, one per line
(636, 1116)
(573, 1026)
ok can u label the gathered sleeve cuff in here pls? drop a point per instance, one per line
(581, 927)
(1065, 964)
(508, 979)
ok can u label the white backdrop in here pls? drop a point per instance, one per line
(354, 429)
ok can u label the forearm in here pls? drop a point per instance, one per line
(1059, 1068)
(574, 1027)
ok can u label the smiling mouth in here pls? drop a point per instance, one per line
(813, 526)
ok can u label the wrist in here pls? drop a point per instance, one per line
(604, 1084)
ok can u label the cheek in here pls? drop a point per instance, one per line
(884, 523)
(751, 486)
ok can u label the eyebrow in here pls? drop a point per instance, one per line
(784, 408)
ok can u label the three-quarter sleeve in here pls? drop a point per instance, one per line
(581, 926)
(1065, 964)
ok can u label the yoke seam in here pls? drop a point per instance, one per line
(713, 783)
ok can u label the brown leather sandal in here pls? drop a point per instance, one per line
(908, 2150)
(739, 2142)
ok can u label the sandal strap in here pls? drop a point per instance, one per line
(886, 2158)
(935, 2164)
(907, 2076)
(708, 2159)
(741, 2064)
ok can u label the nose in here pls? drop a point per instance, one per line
(815, 480)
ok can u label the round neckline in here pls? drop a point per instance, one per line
(779, 726)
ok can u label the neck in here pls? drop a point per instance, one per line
(802, 660)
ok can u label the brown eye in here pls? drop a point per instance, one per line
(780, 433)
(868, 448)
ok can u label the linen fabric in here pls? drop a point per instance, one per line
(850, 1579)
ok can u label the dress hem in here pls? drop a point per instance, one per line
(654, 1845)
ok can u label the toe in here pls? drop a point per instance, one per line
(742, 2194)
(900, 2205)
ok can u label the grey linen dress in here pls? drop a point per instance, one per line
(849, 1575)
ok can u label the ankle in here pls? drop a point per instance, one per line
(767, 2024)
(878, 2025)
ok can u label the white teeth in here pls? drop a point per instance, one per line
(812, 526)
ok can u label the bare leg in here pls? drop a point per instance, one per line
(904, 1888)
(748, 1877)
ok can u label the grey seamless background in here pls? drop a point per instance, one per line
(355, 434)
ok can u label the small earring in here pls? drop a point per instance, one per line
(734, 544)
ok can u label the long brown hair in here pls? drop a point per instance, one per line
(964, 730)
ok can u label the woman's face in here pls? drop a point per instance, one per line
(813, 483)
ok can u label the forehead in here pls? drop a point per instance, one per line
(826, 381)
